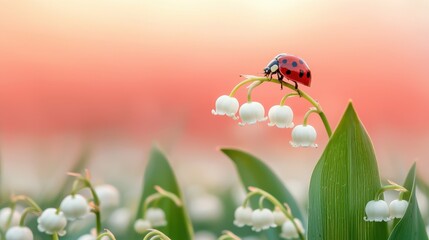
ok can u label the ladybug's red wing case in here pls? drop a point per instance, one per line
(295, 69)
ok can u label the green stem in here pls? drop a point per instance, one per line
(292, 87)
(307, 114)
(154, 232)
(25, 213)
(389, 187)
(55, 236)
(276, 203)
(282, 102)
(251, 87)
(108, 234)
(261, 202)
(96, 200)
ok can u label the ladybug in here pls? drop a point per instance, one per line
(291, 67)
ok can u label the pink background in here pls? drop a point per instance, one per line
(134, 72)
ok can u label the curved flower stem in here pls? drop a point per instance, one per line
(26, 212)
(153, 233)
(282, 102)
(307, 114)
(251, 87)
(161, 193)
(275, 202)
(303, 94)
(261, 202)
(108, 234)
(394, 187)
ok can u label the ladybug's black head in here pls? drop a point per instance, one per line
(271, 68)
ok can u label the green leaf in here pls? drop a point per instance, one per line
(159, 173)
(253, 172)
(411, 226)
(343, 181)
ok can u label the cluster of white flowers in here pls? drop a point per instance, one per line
(54, 220)
(379, 210)
(280, 116)
(154, 217)
(262, 219)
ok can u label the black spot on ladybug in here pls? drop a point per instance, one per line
(301, 73)
(301, 62)
(294, 64)
(284, 61)
(308, 74)
(288, 72)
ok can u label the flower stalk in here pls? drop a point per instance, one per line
(283, 208)
(316, 105)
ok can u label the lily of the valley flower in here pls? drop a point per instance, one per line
(243, 216)
(52, 221)
(226, 105)
(262, 219)
(289, 231)
(303, 136)
(4, 218)
(19, 233)
(252, 112)
(280, 116)
(74, 207)
(398, 208)
(377, 211)
(279, 217)
(108, 195)
(156, 217)
(142, 225)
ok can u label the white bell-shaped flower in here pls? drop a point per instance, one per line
(262, 219)
(5, 215)
(280, 116)
(142, 225)
(289, 231)
(156, 217)
(252, 112)
(243, 216)
(74, 207)
(19, 233)
(303, 136)
(108, 196)
(279, 217)
(51, 221)
(398, 208)
(226, 105)
(377, 211)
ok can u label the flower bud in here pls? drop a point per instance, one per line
(303, 136)
(262, 219)
(398, 208)
(252, 112)
(156, 217)
(377, 211)
(243, 216)
(51, 222)
(289, 231)
(226, 105)
(74, 207)
(19, 233)
(108, 195)
(142, 225)
(280, 116)
(4, 218)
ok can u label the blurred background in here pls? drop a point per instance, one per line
(117, 76)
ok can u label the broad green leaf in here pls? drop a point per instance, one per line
(411, 226)
(253, 172)
(424, 188)
(159, 173)
(343, 181)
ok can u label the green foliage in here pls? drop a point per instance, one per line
(159, 173)
(343, 181)
(411, 226)
(254, 172)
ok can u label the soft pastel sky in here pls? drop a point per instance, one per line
(153, 69)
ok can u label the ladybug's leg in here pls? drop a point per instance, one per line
(280, 78)
(296, 88)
